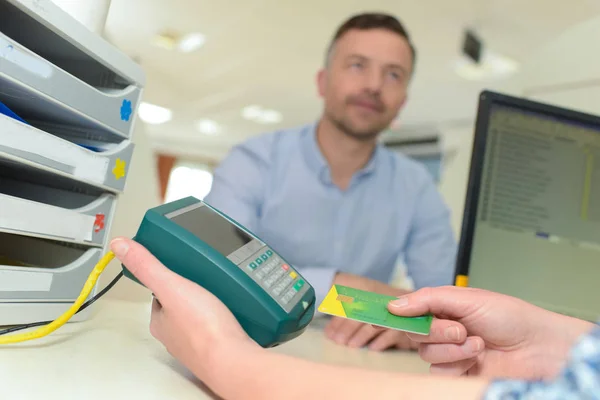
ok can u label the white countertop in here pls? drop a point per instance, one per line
(113, 356)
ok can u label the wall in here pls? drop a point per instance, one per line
(458, 142)
(567, 71)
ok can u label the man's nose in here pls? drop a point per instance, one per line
(374, 80)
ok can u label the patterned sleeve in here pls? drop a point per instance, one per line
(580, 379)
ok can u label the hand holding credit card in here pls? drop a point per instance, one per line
(371, 308)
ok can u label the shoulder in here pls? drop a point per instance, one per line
(263, 146)
(406, 171)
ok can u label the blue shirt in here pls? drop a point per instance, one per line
(279, 186)
(580, 379)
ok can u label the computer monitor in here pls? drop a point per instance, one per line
(531, 225)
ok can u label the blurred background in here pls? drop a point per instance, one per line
(219, 72)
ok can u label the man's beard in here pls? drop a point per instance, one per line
(346, 128)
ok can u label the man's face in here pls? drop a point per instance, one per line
(366, 81)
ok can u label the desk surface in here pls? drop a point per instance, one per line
(113, 355)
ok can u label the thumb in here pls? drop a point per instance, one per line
(449, 302)
(143, 265)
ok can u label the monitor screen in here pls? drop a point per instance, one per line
(536, 209)
(213, 229)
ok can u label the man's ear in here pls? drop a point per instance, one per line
(322, 81)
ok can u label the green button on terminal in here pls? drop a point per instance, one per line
(299, 285)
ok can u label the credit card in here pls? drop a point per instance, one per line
(371, 308)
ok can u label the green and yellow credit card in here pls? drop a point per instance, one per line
(370, 308)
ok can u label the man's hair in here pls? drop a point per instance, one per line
(368, 21)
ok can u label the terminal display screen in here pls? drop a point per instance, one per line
(213, 229)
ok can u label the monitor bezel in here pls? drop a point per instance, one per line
(487, 99)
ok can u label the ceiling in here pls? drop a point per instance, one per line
(261, 52)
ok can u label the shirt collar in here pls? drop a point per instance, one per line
(317, 162)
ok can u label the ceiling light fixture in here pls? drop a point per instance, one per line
(208, 127)
(165, 40)
(491, 66)
(191, 42)
(264, 116)
(153, 114)
(188, 43)
(251, 112)
(270, 117)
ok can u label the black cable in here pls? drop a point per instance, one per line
(83, 307)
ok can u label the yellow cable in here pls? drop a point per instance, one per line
(63, 319)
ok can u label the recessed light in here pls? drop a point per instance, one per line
(270, 117)
(251, 112)
(170, 40)
(191, 42)
(208, 127)
(153, 114)
(165, 40)
(264, 116)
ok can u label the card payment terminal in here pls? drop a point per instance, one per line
(271, 300)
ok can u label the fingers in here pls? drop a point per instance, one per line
(450, 353)
(356, 334)
(363, 335)
(341, 330)
(333, 326)
(143, 265)
(392, 338)
(457, 368)
(451, 301)
(442, 331)
(156, 318)
(156, 306)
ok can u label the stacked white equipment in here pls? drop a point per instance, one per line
(64, 155)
